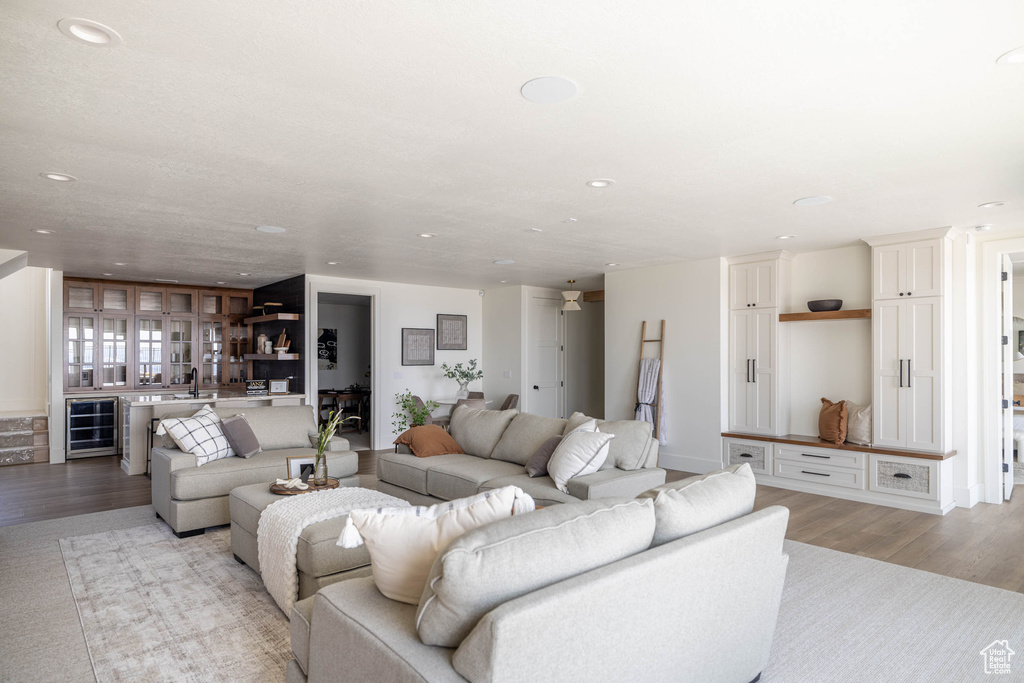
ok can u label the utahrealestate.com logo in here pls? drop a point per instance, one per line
(997, 657)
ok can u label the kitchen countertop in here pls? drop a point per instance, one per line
(204, 397)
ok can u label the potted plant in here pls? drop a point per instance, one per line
(410, 413)
(324, 435)
(462, 375)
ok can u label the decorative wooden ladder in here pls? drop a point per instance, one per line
(656, 404)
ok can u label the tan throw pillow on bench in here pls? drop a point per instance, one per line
(832, 421)
(858, 424)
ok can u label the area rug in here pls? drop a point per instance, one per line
(155, 607)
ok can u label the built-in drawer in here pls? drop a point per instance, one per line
(905, 476)
(816, 473)
(757, 454)
(821, 456)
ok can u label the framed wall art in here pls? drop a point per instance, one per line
(452, 332)
(417, 346)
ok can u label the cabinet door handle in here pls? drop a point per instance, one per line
(812, 455)
(753, 365)
(817, 474)
(901, 293)
(748, 371)
(536, 387)
(908, 374)
(746, 455)
(901, 373)
(902, 475)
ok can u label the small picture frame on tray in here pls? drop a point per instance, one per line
(300, 466)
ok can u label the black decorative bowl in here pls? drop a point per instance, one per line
(819, 305)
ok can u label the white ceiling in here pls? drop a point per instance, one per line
(358, 125)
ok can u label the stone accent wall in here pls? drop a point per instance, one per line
(24, 439)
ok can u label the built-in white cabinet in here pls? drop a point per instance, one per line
(910, 269)
(754, 285)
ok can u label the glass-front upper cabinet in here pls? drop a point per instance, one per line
(149, 351)
(80, 352)
(213, 352)
(165, 300)
(180, 361)
(90, 297)
(115, 346)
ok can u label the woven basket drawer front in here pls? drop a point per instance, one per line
(755, 455)
(917, 479)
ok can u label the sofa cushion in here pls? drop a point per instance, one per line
(449, 481)
(525, 435)
(541, 489)
(478, 431)
(428, 440)
(628, 450)
(579, 453)
(697, 503)
(280, 426)
(301, 618)
(511, 557)
(220, 476)
(403, 542)
(410, 472)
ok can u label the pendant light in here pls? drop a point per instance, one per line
(571, 297)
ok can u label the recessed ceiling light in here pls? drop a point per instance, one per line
(160, 279)
(89, 32)
(221, 282)
(59, 177)
(44, 232)
(611, 264)
(107, 274)
(535, 230)
(120, 264)
(504, 262)
(503, 281)
(570, 220)
(990, 205)
(983, 228)
(549, 90)
(332, 263)
(785, 237)
(1014, 56)
(243, 274)
(601, 182)
(427, 235)
(270, 229)
(813, 201)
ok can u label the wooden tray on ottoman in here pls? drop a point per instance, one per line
(332, 483)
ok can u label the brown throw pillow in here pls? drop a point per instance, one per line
(537, 465)
(240, 436)
(832, 421)
(427, 440)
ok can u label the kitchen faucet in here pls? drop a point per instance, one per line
(195, 378)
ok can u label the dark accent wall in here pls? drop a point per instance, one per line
(291, 293)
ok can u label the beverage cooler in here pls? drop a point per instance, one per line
(93, 427)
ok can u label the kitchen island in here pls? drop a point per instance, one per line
(139, 414)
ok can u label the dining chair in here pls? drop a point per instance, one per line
(476, 394)
(419, 404)
(511, 401)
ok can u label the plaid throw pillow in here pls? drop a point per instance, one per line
(201, 435)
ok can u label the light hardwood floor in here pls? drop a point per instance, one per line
(984, 544)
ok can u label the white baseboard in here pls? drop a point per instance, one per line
(684, 463)
(967, 497)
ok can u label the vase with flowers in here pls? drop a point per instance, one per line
(324, 435)
(462, 375)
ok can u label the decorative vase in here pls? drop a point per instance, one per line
(463, 391)
(319, 477)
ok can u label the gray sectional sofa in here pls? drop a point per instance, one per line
(605, 603)
(498, 444)
(190, 497)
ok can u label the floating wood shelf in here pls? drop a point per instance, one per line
(851, 314)
(273, 356)
(273, 317)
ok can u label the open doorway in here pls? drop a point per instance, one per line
(344, 363)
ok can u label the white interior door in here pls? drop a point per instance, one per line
(544, 366)
(1007, 383)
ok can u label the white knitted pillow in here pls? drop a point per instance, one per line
(201, 435)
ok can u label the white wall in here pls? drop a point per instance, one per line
(584, 344)
(396, 306)
(502, 339)
(23, 344)
(828, 358)
(690, 297)
(353, 326)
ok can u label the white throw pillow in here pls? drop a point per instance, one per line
(580, 452)
(201, 435)
(858, 424)
(404, 542)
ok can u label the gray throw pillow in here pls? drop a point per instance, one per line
(537, 465)
(241, 437)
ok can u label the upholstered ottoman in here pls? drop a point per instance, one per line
(319, 559)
